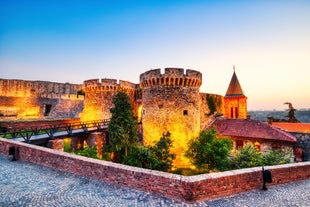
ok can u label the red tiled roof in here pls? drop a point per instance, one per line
(293, 127)
(250, 129)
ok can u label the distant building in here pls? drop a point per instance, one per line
(302, 132)
(259, 134)
(242, 130)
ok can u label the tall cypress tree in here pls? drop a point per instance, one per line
(122, 129)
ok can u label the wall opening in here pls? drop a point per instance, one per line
(47, 109)
(185, 112)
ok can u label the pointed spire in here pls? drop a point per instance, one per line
(234, 88)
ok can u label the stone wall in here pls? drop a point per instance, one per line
(12, 108)
(211, 105)
(171, 102)
(24, 88)
(189, 189)
(20, 99)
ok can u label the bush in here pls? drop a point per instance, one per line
(157, 157)
(248, 156)
(142, 157)
(88, 152)
(274, 157)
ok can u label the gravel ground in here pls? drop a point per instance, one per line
(27, 184)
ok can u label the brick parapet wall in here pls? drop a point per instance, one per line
(189, 189)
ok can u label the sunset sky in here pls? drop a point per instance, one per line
(75, 40)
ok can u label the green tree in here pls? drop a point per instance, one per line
(162, 152)
(248, 156)
(206, 151)
(122, 128)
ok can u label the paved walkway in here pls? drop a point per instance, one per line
(26, 184)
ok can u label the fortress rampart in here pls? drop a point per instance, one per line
(39, 99)
(44, 89)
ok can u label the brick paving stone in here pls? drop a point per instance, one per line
(27, 184)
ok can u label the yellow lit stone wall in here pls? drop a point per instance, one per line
(99, 95)
(22, 99)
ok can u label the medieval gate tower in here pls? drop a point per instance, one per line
(171, 102)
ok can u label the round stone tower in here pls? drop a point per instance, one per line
(171, 102)
(99, 95)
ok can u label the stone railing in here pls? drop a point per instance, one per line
(184, 188)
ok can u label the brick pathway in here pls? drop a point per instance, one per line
(26, 184)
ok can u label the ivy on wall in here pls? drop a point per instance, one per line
(211, 104)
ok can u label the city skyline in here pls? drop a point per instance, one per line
(72, 41)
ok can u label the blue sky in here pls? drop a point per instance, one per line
(76, 40)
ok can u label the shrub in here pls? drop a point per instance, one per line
(157, 157)
(274, 157)
(248, 156)
(88, 152)
(142, 157)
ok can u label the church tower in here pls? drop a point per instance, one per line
(235, 100)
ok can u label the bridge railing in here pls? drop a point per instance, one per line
(51, 129)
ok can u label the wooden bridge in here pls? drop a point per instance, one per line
(52, 130)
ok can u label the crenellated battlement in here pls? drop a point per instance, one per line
(106, 84)
(171, 77)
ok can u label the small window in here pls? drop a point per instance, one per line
(47, 109)
(185, 112)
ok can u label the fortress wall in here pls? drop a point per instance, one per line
(19, 107)
(23, 99)
(33, 107)
(24, 88)
(185, 188)
(210, 106)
